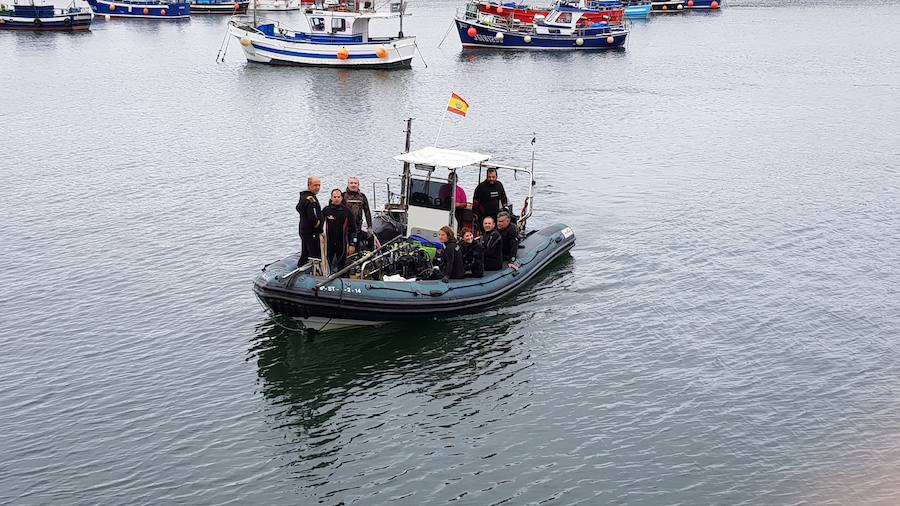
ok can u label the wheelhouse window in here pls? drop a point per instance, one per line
(317, 24)
(564, 17)
(431, 193)
(338, 24)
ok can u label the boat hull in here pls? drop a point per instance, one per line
(486, 37)
(637, 11)
(148, 10)
(261, 48)
(68, 23)
(365, 302)
(237, 7)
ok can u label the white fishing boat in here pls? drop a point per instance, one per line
(338, 36)
(275, 5)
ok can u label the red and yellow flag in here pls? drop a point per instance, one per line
(457, 105)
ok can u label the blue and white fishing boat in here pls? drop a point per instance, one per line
(151, 9)
(34, 17)
(637, 9)
(564, 28)
(338, 37)
(219, 6)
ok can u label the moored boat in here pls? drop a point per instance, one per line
(34, 17)
(668, 6)
(637, 9)
(338, 37)
(219, 6)
(275, 5)
(395, 281)
(703, 4)
(149, 9)
(564, 28)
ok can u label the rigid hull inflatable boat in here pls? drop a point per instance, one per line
(387, 283)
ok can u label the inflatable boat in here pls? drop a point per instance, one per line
(394, 280)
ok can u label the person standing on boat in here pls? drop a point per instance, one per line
(491, 245)
(451, 259)
(510, 238)
(358, 204)
(489, 197)
(340, 231)
(472, 254)
(310, 221)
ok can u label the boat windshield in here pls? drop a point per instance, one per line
(432, 193)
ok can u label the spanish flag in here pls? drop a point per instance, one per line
(457, 105)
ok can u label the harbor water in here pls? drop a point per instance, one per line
(725, 330)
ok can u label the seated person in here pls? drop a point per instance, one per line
(451, 259)
(472, 254)
(510, 237)
(461, 203)
(491, 245)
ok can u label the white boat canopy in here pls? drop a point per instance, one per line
(440, 157)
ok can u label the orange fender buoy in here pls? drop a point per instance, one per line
(146, 11)
(343, 54)
(237, 6)
(163, 12)
(471, 32)
(499, 9)
(665, 7)
(690, 3)
(112, 7)
(714, 5)
(381, 53)
(610, 40)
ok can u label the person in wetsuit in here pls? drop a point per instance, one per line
(489, 197)
(451, 259)
(358, 203)
(492, 245)
(310, 221)
(340, 231)
(473, 255)
(510, 237)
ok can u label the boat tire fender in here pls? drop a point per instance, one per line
(68, 22)
(37, 22)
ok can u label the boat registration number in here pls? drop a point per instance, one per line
(567, 232)
(347, 289)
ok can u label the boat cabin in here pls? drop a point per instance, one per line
(345, 21)
(429, 181)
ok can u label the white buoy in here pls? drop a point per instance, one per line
(680, 7)
(579, 41)
(527, 39)
(499, 37)
(245, 41)
(107, 17)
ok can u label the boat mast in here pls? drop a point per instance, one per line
(406, 171)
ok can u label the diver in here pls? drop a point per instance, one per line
(489, 197)
(358, 204)
(310, 221)
(472, 254)
(451, 260)
(510, 237)
(491, 245)
(340, 231)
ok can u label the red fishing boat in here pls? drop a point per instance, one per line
(595, 11)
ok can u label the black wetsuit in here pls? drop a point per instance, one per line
(340, 232)
(510, 243)
(473, 258)
(452, 262)
(492, 244)
(310, 226)
(359, 206)
(487, 200)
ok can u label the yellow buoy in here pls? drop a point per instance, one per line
(245, 41)
(381, 53)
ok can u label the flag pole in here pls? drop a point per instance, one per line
(440, 127)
